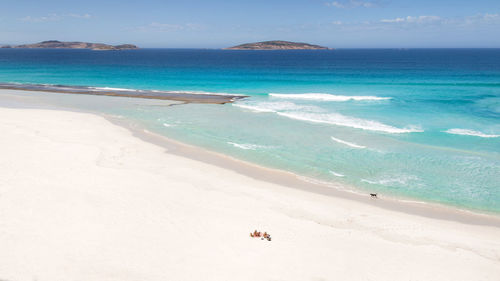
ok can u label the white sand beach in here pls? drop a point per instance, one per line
(84, 199)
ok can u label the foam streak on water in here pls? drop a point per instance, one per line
(466, 132)
(327, 97)
(347, 121)
(316, 114)
(336, 174)
(246, 146)
(348, 143)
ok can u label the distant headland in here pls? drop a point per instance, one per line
(54, 44)
(277, 45)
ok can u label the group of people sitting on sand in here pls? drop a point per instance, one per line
(257, 234)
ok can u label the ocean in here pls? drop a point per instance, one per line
(416, 124)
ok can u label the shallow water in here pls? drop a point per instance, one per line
(421, 124)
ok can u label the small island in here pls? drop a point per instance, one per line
(54, 44)
(277, 45)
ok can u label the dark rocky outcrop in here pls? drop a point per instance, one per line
(277, 45)
(54, 44)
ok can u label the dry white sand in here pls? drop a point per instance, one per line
(83, 199)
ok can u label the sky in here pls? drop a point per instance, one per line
(223, 23)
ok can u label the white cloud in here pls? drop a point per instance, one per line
(165, 26)
(414, 19)
(482, 18)
(490, 16)
(54, 17)
(51, 17)
(335, 4)
(423, 19)
(423, 22)
(352, 4)
(486, 18)
(168, 27)
(82, 16)
(393, 20)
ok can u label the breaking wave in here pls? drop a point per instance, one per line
(198, 93)
(467, 132)
(327, 97)
(395, 181)
(336, 174)
(348, 143)
(277, 107)
(246, 146)
(111, 89)
(347, 121)
(318, 115)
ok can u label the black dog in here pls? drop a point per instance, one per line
(373, 195)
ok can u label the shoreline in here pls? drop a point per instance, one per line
(292, 180)
(83, 198)
(286, 178)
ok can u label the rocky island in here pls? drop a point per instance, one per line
(54, 44)
(277, 45)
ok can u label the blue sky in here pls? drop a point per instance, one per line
(221, 23)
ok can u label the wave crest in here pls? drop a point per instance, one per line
(318, 115)
(336, 174)
(347, 121)
(246, 146)
(348, 143)
(277, 106)
(395, 180)
(112, 89)
(327, 97)
(467, 132)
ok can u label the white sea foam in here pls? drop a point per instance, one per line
(348, 143)
(246, 146)
(347, 121)
(327, 97)
(198, 93)
(167, 125)
(252, 107)
(112, 89)
(277, 107)
(395, 181)
(467, 132)
(318, 115)
(336, 174)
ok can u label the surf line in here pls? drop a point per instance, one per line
(348, 143)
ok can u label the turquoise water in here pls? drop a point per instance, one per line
(421, 124)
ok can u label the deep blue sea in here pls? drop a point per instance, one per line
(421, 124)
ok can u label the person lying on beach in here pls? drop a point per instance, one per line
(267, 236)
(259, 234)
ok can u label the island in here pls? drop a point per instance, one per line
(277, 45)
(54, 44)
